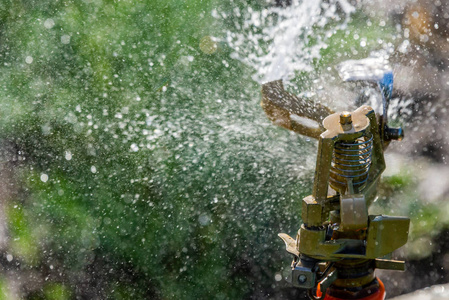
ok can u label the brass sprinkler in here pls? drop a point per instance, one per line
(339, 244)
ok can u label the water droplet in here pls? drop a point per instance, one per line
(49, 23)
(28, 59)
(65, 39)
(68, 155)
(208, 45)
(44, 177)
(204, 219)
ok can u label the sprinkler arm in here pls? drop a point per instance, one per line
(292, 112)
(305, 117)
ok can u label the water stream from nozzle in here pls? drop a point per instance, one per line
(280, 41)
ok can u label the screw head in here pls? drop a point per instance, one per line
(302, 278)
(345, 118)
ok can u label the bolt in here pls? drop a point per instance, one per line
(345, 118)
(302, 278)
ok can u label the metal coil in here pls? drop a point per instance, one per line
(351, 162)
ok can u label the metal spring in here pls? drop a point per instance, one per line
(351, 161)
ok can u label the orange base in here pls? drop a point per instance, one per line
(379, 295)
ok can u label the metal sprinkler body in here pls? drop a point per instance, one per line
(339, 245)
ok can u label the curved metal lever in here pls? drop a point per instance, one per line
(292, 112)
(290, 244)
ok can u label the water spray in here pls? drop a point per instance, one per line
(339, 245)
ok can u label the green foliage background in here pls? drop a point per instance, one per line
(143, 167)
(194, 212)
